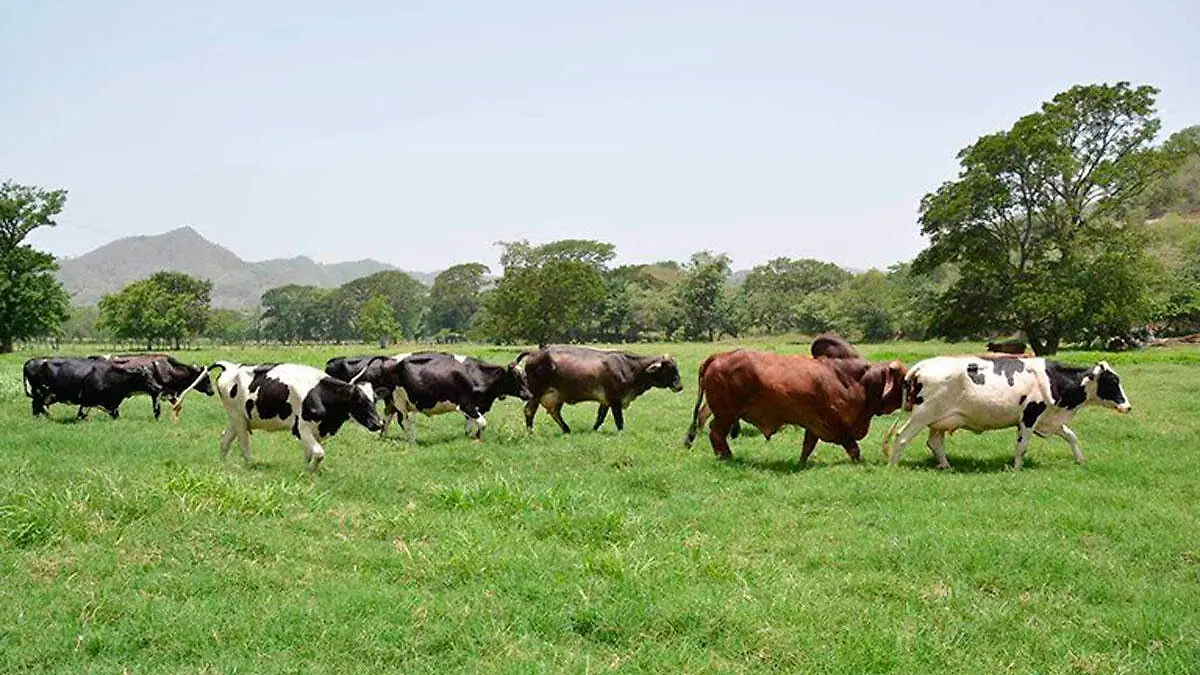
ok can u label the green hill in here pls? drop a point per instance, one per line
(236, 282)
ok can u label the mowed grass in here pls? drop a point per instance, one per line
(128, 544)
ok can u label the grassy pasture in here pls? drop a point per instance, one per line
(128, 545)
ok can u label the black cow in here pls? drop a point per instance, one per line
(290, 397)
(434, 383)
(88, 383)
(172, 375)
(381, 372)
(563, 375)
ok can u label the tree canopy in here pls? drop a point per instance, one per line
(1033, 211)
(165, 307)
(32, 301)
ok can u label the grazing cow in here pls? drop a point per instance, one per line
(1034, 395)
(288, 396)
(832, 394)
(434, 383)
(88, 383)
(173, 376)
(568, 375)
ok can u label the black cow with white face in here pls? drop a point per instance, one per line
(434, 383)
(88, 383)
(291, 397)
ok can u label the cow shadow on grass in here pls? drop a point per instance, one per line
(968, 464)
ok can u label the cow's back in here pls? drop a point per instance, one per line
(574, 373)
(975, 393)
(772, 390)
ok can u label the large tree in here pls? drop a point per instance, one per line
(773, 294)
(32, 301)
(165, 307)
(1033, 208)
(702, 296)
(455, 298)
(405, 296)
(549, 293)
(294, 313)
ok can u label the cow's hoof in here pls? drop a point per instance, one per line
(944, 467)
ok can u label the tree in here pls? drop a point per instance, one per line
(229, 326)
(32, 301)
(773, 294)
(166, 306)
(702, 296)
(1180, 190)
(455, 298)
(549, 293)
(377, 322)
(294, 313)
(1032, 207)
(404, 295)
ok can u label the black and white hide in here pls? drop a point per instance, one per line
(1034, 395)
(291, 397)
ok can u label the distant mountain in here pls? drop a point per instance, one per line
(236, 283)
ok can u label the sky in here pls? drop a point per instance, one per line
(421, 134)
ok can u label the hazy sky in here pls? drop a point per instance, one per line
(422, 133)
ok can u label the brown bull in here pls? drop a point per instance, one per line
(833, 395)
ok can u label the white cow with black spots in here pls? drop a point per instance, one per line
(290, 397)
(1036, 396)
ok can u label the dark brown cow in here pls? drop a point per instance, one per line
(565, 375)
(833, 395)
(172, 375)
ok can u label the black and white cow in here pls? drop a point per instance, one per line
(289, 396)
(88, 383)
(1034, 395)
(434, 383)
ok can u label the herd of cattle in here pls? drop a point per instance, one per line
(832, 394)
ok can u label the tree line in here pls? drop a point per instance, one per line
(1071, 226)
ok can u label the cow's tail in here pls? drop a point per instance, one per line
(178, 404)
(25, 383)
(908, 395)
(695, 427)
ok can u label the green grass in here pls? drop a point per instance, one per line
(128, 544)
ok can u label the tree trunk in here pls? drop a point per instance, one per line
(6, 344)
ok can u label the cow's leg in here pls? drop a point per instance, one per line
(81, 414)
(601, 413)
(810, 444)
(905, 436)
(243, 437)
(618, 415)
(227, 437)
(408, 423)
(717, 433)
(936, 442)
(1065, 433)
(531, 408)
(157, 405)
(389, 411)
(38, 404)
(852, 450)
(475, 421)
(313, 452)
(1024, 433)
(114, 412)
(556, 414)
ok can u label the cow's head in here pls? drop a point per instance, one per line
(204, 382)
(512, 382)
(362, 405)
(1105, 388)
(884, 385)
(664, 373)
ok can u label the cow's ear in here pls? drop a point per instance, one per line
(894, 379)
